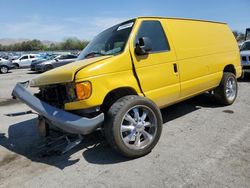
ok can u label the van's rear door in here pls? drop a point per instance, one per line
(158, 71)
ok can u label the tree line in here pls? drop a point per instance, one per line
(37, 45)
(67, 44)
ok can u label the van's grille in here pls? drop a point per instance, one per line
(55, 95)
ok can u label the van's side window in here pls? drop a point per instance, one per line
(154, 31)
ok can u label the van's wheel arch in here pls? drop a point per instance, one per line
(133, 126)
(227, 91)
(114, 95)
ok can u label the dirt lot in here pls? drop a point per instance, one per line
(202, 145)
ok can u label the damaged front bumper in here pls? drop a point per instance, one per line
(64, 120)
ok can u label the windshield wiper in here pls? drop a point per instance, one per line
(94, 53)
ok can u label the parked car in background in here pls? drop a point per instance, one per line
(6, 57)
(5, 65)
(43, 59)
(245, 57)
(56, 62)
(25, 60)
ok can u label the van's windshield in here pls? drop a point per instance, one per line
(109, 42)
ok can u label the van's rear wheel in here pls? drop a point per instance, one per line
(133, 126)
(228, 89)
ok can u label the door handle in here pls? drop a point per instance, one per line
(175, 68)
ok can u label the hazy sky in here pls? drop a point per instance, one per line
(58, 19)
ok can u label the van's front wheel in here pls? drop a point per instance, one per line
(133, 126)
(228, 89)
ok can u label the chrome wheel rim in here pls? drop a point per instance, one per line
(4, 69)
(138, 127)
(231, 89)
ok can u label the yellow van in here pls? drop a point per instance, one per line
(129, 72)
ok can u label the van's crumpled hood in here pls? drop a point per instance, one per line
(64, 73)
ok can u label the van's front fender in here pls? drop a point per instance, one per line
(66, 121)
(101, 86)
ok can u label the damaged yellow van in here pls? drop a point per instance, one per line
(129, 72)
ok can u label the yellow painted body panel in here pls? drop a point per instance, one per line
(203, 50)
(155, 71)
(105, 76)
(64, 73)
(196, 38)
(102, 85)
(200, 49)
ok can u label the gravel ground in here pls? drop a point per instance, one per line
(202, 145)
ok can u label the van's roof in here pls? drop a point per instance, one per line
(161, 17)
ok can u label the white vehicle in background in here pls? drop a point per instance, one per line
(5, 66)
(245, 54)
(245, 57)
(25, 60)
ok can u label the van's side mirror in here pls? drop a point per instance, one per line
(56, 59)
(143, 46)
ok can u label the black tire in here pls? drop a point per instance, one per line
(4, 69)
(116, 116)
(16, 66)
(221, 90)
(48, 67)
